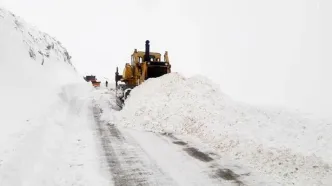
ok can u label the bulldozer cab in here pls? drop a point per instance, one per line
(151, 62)
(138, 56)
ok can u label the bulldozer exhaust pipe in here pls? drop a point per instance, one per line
(147, 51)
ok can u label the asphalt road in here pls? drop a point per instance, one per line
(144, 158)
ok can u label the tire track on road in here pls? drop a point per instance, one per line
(126, 161)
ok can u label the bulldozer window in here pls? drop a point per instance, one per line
(152, 58)
(132, 61)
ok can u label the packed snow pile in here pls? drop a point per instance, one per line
(287, 147)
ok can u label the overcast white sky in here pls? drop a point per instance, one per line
(259, 51)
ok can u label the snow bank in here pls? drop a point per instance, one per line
(56, 148)
(46, 137)
(33, 66)
(289, 148)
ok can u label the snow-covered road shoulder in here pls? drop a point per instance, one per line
(46, 123)
(57, 148)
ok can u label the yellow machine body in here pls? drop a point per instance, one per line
(144, 65)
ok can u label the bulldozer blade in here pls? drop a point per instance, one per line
(156, 69)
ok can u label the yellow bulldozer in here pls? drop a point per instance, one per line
(144, 65)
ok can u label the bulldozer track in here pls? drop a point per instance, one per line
(126, 161)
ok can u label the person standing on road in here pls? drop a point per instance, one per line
(106, 83)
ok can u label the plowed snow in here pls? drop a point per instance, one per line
(287, 147)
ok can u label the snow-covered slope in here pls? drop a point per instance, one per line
(286, 146)
(45, 137)
(22, 44)
(33, 66)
